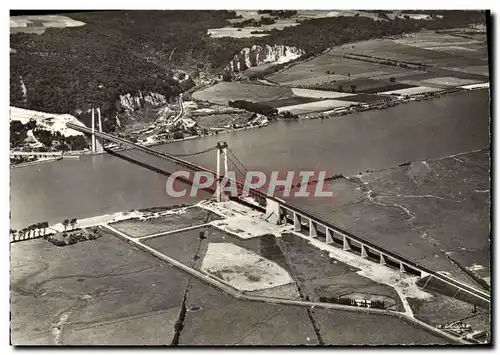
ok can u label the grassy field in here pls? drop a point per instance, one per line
(139, 228)
(422, 211)
(323, 105)
(430, 48)
(320, 276)
(224, 92)
(343, 328)
(461, 61)
(222, 120)
(94, 293)
(412, 90)
(365, 98)
(317, 80)
(450, 81)
(319, 93)
(214, 318)
(327, 64)
(444, 310)
(366, 85)
(296, 100)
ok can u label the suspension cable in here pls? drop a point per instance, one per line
(236, 166)
(258, 189)
(238, 160)
(190, 154)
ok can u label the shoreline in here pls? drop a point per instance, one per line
(377, 106)
(305, 116)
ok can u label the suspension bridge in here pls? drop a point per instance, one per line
(280, 211)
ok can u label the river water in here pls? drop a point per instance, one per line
(96, 185)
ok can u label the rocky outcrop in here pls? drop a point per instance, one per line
(134, 102)
(251, 57)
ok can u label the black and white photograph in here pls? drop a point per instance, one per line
(245, 178)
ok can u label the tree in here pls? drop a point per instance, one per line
(65, 223)
(177, 135)
(353, 88)
(45, 137)
(392, 79)
(36, 230)
(73, 222)
(44, 225)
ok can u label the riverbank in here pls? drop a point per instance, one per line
(388, 104)
(395, 100)
(35, 162)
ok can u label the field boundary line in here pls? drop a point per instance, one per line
(161, 234)
(238, 295)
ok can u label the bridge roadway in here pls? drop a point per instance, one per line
(405, 263)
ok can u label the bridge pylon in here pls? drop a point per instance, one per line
(221, 157)
(96, 143)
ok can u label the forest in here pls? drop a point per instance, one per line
(65, 70)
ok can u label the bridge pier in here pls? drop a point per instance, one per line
(313, 231)
(297, 226)
(382, 259)
(363, 252)
(329, 237)
(273, 211)
(345, 243)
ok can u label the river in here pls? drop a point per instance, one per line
(96, 185)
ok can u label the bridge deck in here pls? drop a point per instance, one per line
(295, 209)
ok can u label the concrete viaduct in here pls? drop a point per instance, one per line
(321, 229)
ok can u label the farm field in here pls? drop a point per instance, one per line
(317, 80)
(333, 278)
(430, 48)
(411, 91)
(323, 105)
(39, 23)
(473, 69)
(99, 292)
(319, 94)
(224, 92)
(222, 120)
(280, 22)
(367, 85)
(365, 98)
(296, 100)
(328, 64)
(442, 310)
(332, 81)
(340, 328)
(191, 217)
(450, 81)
